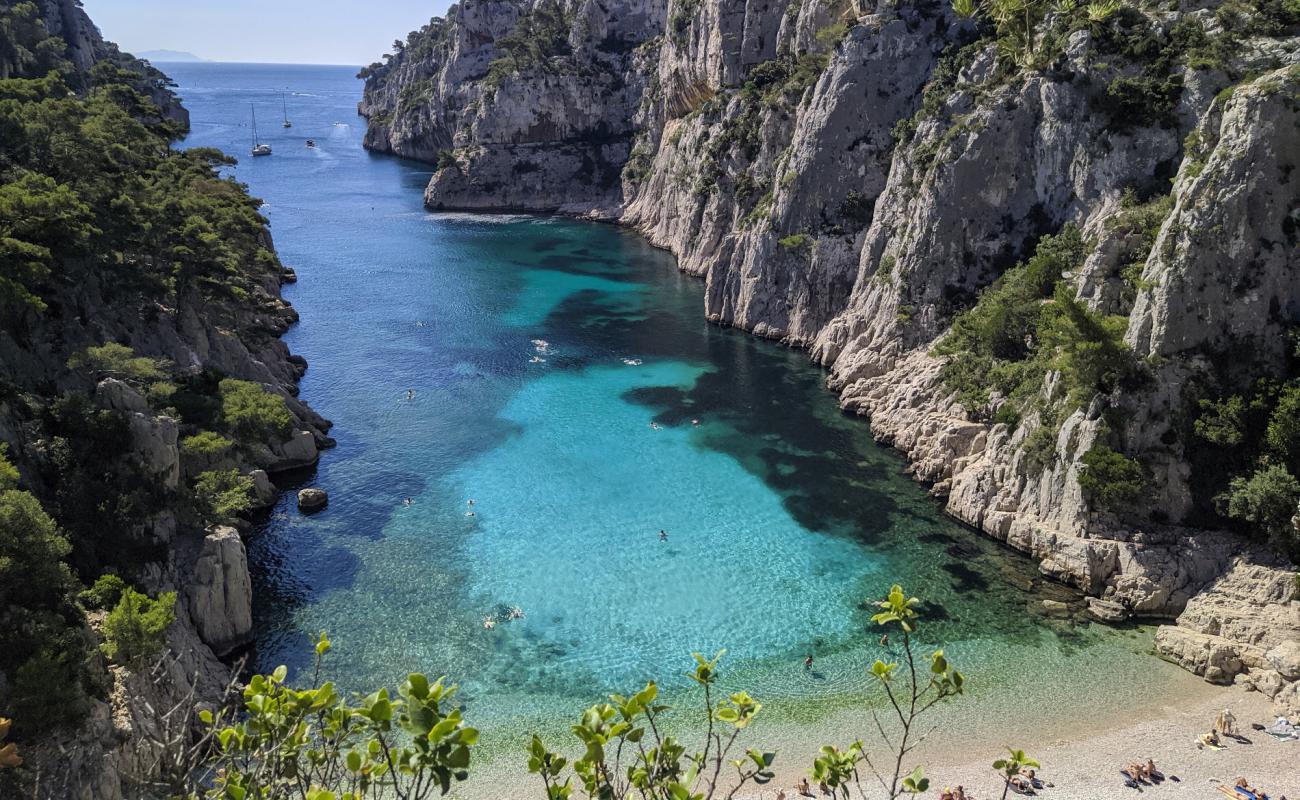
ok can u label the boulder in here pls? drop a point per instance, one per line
(312, 499)
(116, 395)
(1285, 658)
(299, 451)
(221, 593)
(1107, 610)
(264, 491)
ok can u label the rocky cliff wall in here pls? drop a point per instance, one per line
(851, 177)
(115, 433)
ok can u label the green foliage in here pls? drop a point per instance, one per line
(113, 360)
(206, 443)
(1028, 323)
(1267, 500)
(1011, 766)
(912, 687)
(8, 472)
(795, 241)
(539, 38)
(106, 592)
(1142, 100)
(283, 743)
(41, 222)
(252, 413)
(222, 495)
(1282, 436)
(1110, 479)
(1222, 423)
(446, 160)
(41, 650)
(626, 754)
(134, 630)
(102, 497)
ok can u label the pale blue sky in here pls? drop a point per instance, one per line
(289, 31)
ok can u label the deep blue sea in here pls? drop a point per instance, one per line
(559, 370)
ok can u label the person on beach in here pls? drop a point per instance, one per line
(780, 794)
(804, 788)
(960, 794)
(1226, 723)
(1210, 739)
(826, 790)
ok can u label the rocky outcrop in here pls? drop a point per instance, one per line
(1244, 628)
(850, 177)
(312, 499)
(220, 593)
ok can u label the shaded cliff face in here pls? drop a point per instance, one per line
(855, 179)
(114, 239)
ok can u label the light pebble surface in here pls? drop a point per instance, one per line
(1085, 766)
(1082, 764)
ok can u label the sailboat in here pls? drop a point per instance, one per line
(259, 149)
(285, 104)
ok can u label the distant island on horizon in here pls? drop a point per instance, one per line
(168, 56)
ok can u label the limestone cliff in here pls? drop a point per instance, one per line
(851, 177)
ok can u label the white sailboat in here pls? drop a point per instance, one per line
(259, 149)
(285, 104)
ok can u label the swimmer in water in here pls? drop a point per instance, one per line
(663, 536)
(469, 513)
(407, 501)
(469, 502)
(410, 394)
(695, 422)
(807, 663)
(489, 623)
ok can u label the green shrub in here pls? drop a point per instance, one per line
(446, 159)
(222, 495)
(113, 360)
(8, 472)
(1222, 423)
(1142, 101)
(252, 413)
(134, 630)
(1008, 340)
(1266, 500)
(795, 241)
(105, 593)
(205, 443)
(1110, 479)
(1283, 434)
(48, 690)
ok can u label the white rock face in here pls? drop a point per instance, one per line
(221, 592)
(854, 208)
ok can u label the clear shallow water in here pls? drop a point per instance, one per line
(782, 515)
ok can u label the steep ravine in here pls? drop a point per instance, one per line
(850, 178)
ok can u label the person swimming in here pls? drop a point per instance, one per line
(695, 422)
(469, 502)
(469, 513)
(663, 536)
(410, 394)
(807, 662)
(408, 501)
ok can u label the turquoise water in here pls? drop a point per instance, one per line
(782, 516)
